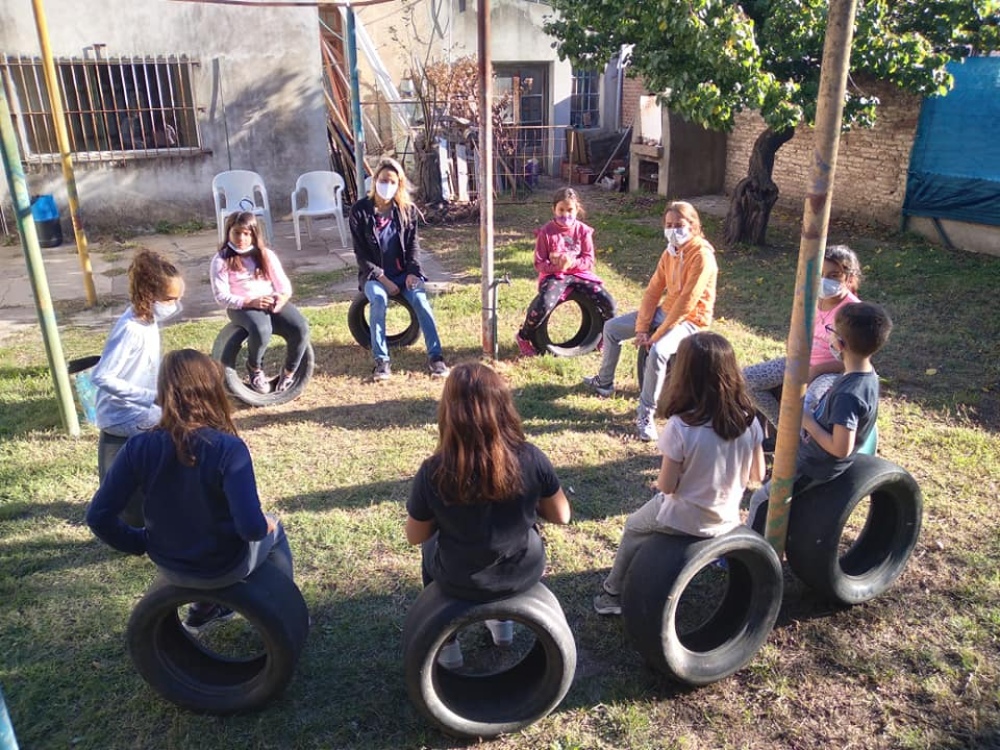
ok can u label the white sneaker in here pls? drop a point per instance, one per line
(450, 655)
(646, 424)
(502, 632)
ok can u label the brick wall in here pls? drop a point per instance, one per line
(876, 158)
(632, 89)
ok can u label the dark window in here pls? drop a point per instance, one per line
(585, 104)
(115, 108)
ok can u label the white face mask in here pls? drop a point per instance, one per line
(830, 288)
(386, 190)
(677, 236)
(241, 250)
(166, 310)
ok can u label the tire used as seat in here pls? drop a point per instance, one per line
(587, 336)
(226, 350)
(487, 705)
(183, 671)
(738, 626)
(878, 554)
(357, 322)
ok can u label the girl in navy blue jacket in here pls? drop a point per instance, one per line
(204, 527)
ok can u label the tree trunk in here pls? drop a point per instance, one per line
(428, 175)
(755, 195)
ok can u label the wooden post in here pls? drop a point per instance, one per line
(485, 185)
(812, 244)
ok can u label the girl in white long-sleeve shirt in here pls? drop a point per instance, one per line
(126, 375)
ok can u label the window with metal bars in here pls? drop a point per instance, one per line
(585, 103)
(116, 108)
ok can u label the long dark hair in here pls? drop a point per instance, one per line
(707, 387)
(191, 394)
(479, 438)
(149, 275)
(234, 261)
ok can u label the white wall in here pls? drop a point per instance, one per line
(258, 88)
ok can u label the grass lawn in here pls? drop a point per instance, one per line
(916, 668)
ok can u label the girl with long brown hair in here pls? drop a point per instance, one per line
(204, 527)
(711, 448)
(475, 502)
(248, 280)
(126, 374)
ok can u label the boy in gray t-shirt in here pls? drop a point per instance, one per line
(846, 415)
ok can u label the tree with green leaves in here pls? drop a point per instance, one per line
(711, 59)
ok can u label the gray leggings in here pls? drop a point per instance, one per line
(274, 546)
(762, 378)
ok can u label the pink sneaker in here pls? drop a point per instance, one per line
(526, 347)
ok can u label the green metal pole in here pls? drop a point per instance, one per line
(7, 739)
(815, 221)
(18, 186)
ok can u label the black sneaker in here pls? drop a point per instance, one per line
(438, 367)
(202, 614)
(382, 370)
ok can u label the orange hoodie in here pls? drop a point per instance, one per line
(686, 285)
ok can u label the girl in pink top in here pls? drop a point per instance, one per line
(248, 280)
(564, 259)
(841, 277)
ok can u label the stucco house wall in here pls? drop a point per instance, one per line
(258, 88)
(447, 30)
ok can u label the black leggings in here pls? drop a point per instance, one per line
(259, 326)
(553, 289)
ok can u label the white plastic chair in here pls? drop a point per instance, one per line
(240, 190)
(324, 192)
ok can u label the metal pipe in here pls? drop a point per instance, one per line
(359, 128)
(485, 185)
(59, 121)
(812, 243)
(18, 187)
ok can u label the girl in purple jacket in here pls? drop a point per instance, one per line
(564, 259)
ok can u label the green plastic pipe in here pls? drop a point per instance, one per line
(18, 186)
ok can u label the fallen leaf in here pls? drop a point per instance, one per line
(930, 371)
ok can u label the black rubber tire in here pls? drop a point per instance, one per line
(226, 350)
(487, 705)
(727, 640)
(107, 448)
(879, 554)
(587, 336)
(357, 322)
(184, 672)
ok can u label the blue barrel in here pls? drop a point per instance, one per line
(46, 215)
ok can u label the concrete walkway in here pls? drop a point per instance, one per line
(190, 252)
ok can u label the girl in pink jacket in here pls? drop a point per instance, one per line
(248, 280)
(564, 259)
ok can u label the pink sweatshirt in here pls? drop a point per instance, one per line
(576, 242)
(234, 288)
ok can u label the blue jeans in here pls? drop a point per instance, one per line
(621, 329)
(378, 301)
